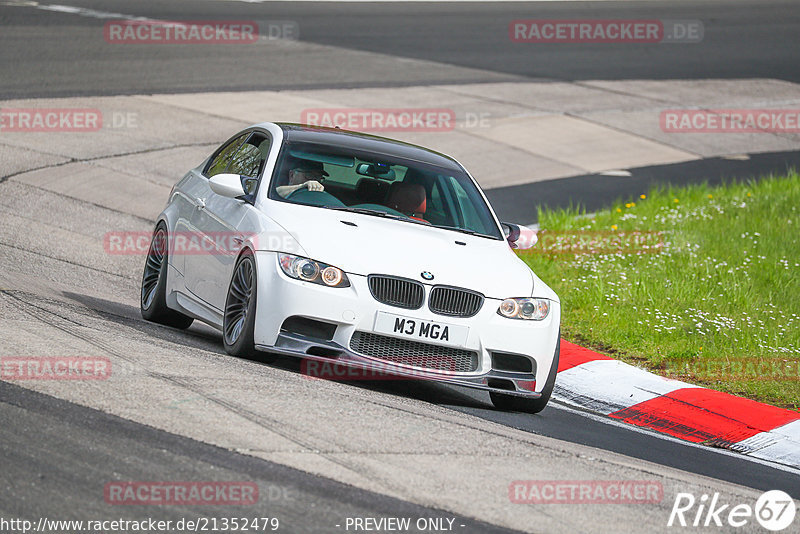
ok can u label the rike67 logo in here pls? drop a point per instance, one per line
(774, 510)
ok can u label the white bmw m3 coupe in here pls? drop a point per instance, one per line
(359, 251)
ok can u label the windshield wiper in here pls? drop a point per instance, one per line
(367, 211)
(465, 231)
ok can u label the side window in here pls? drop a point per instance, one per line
(223, 157)
(249, 161)
(246, 161)
(341, 175)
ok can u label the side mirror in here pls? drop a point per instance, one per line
(227, 185)
(519, 237)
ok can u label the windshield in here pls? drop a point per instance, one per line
(381, 185)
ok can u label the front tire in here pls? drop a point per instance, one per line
(511, 403)
(153, 296)
(239, 320)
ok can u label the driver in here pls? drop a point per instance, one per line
(303, 173)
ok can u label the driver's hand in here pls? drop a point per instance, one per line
(313, 185)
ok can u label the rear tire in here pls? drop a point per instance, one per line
(511, 403)
(153, 296)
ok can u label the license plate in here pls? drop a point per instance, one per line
(421, 330)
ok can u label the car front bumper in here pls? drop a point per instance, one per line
(353, 309)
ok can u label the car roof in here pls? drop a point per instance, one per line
(366, 142)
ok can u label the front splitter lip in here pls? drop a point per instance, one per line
(299, 346)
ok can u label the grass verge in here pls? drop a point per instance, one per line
(696, 283)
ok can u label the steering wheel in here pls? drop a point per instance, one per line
(315, 198)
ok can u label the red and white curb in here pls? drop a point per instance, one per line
(600, 384)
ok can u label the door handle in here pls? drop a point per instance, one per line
(201, 203)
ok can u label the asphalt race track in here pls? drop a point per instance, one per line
(177, 408)
(36, 422)
(744, 39)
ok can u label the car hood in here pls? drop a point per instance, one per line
(365, 244)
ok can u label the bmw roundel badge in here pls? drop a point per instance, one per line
(427, 275)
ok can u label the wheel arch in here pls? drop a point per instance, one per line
(246, 248)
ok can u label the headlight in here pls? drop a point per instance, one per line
(308, 270)
(524, 308)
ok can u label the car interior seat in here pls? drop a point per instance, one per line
(408, 199)
(370, 190)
